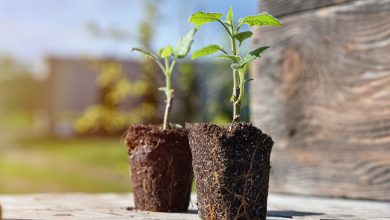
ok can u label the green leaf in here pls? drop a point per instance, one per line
(229, 16)
(165, 52)
(201, 18)
(263, 19)
(184, 44)
(243, 36)
(206, 51)
(231, 57)
(251, 56)
(145, 53)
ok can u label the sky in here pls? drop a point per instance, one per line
(32, 30)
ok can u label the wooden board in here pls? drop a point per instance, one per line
(322, 91)
(281, 8)
(118, 207)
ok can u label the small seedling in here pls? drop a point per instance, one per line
(239, 63)
(166, 60)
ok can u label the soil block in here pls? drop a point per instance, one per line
(231, 166)
(160, 166)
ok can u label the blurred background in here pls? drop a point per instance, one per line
(69, 86)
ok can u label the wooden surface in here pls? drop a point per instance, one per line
(118, 207)
(322, 91)
(281, 8)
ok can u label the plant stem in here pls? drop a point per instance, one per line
(236, 94)
(236, 83)
(237, 103)
(168, 93)
(167, 114)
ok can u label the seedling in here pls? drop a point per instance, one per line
(239, 63)
(166, 60)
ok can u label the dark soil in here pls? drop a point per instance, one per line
(161, 171)
(231, 166)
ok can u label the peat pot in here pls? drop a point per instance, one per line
(160, 168)
(231, 166)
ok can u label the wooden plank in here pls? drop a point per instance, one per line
(336, 173)
(80, 206)
(323, 93)
(282, 8)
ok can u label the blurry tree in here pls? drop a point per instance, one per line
(116, 88)
(18, 90)
(148, 67)
(107, 116)
(188, 95)
(217, 108)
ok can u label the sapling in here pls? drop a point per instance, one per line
(166, 60)
(239, 63)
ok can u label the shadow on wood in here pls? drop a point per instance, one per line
(290, 214)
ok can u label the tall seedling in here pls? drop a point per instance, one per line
(239, 63)
(166, 60)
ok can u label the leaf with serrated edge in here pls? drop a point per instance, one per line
(252, 55)
(184, 44)
(231, 57)
(263, 19)
(206, 51)
(201, 18)
(243, 36)
(165, 52)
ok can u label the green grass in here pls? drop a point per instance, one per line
(77, 165)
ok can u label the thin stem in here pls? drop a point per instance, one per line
(168, 92)
(242, 86)
(237, 103)
(172, 65)
(160, 65)
(166, 66)
(167, 114)
(168, 101)
(226, 28)
(236, 82)
(236, 94)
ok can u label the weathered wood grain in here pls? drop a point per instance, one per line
(281, 8)
(323, 93)
(117, 207)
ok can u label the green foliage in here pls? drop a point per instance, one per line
(231, 57)
(251, 56)
(243, 36)
(116, 88)
(146, 53)
(165, 52)
(183, 46)
(207, 51)
(263, 19)
(229, 16)
(167, 65)
(239, 63)
(201, 18)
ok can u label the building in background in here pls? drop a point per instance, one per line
(71, 87)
